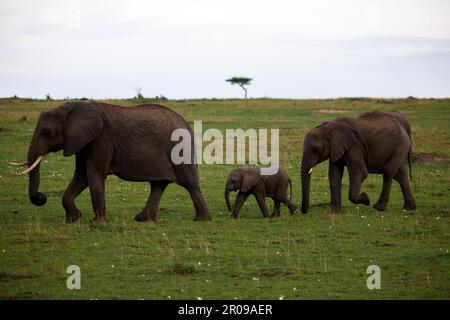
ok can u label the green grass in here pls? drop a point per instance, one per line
(315, 256)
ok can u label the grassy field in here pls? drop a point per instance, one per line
(315, 256)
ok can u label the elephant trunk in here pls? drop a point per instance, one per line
(36, 197)
(227, 198)
(306, 182)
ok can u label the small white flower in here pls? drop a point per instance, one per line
(437, 218)
(294, 289)
(199, 263)
(3, 251)
(278, 252)
(255, 279)
(163, 234)
(169, 297)
(368, 224)
(281, 298)
(199, 298)
(112, 266)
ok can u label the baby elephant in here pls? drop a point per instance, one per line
(250, 181)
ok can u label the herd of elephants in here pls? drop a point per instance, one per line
(134, 143)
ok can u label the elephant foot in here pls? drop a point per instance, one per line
(409, 207)
(233, 216)
(335, 209)
(98, 220)
(380, 206)
(204, 217)
(142, 217)
(73, 217)
(364, 199)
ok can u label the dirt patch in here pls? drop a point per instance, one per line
(429, 158)
(182, 269)
(332, 111)
(442, 213)
(6, 277)
(323, 205)
(26, 295)
(2, 129)
(38, 241)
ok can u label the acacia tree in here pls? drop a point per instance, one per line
(241, 82)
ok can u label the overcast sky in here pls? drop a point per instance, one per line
(187, 48)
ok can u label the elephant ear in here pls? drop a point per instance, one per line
(83, 124)
(342, 137)
(248, 181)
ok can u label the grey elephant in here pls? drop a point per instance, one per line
(132, 143)
(375, 142)
(250, 181)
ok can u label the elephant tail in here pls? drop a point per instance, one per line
(409, 163)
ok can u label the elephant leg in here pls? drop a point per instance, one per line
(385, 191)
(402, 178)
(335, 172)
(357, 176)
(240, 199)
(152, 205)
(97, 189)
(276, 208)
(292, 207)
(201, 209)
(262, 204)
(76, 186)
(390, 169)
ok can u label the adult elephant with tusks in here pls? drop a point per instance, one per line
(375, 142)
(132, 143)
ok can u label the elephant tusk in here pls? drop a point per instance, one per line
(34, 165)
(310, 171)
(17, 164)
